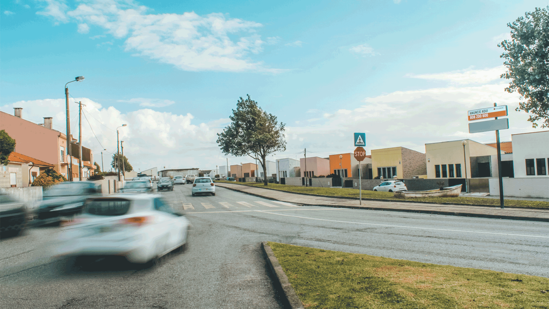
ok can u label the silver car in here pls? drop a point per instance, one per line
(203, 185)
(391, 186)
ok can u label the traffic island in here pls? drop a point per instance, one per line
(331, 279)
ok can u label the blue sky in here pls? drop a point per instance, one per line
(403, 71)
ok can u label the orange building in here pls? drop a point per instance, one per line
(342, 164)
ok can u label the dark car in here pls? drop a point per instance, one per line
(139, 186)
(64, 200)
(13, 216)
(165, 183)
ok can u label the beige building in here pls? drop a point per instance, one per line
(42, 142)
(21, 170)
(397, 162)
(460, 159)
(314, 166)
(236, 171)
(249, 170)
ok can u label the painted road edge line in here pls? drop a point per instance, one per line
(282, 281)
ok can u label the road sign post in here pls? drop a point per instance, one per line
(360, 155)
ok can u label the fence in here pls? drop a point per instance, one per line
(521, 187)
(29, 195)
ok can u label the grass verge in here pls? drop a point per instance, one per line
(330, 279)
(376, 195)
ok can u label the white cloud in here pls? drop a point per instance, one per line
(8, 13)
(364, 49)
(151, 138)
(502, 37)
(273, 40)
(467, 76)
(296, 44)
(83, 28)
(149, 102)
(212, 42)
(99, 36)
(55, 9)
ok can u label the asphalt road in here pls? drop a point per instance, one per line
(224, 267)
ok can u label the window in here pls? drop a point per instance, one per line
(451, 170)
(444, 171)
(540, 164)
(378, 172)
(458, 170)
(384, 173)
(437, 171)
(530, 169)
(62, 153)
(394, 171)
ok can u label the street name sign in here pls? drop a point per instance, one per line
(488, 112)
(491, 125)
(360, 154)
(360, 139)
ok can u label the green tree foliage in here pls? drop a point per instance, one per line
(7, 145)
(47, 178)
(97, 168)
(527, 60)
(124, 163)
(253, 132)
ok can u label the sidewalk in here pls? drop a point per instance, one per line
(453, 210)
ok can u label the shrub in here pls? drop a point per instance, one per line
(48, 178)
(96, 177)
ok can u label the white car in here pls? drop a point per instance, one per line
(140, 227)
(391, 186)
(203, 185)
(179, 180)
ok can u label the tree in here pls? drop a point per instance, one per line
(7, 145)
(47, 178)
(124, 163)
(97, 168)
(252, 132)
(527, 60)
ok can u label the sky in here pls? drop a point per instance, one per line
(404, 72)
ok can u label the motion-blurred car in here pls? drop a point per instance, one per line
(203, 185)
(230, 179)
(141, 227)
(391, 186)
(165, 183)
(179, 180)
(62, 200)
(13, 216)
(138, 186)
(190, 178)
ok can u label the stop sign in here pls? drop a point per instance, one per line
(360, 154)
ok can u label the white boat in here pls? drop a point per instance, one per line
(452, 191)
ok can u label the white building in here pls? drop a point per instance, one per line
(271, 169)
(531, 154)
(223, 171)
(286, 168)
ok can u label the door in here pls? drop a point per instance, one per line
(13, 179)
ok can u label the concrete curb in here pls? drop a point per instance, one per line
(435, 212)
(282, 282)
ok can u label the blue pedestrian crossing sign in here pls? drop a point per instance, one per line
(360, 139)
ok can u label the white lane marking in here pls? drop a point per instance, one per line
(245, 204)
(407, 227)
(233, 211)
(265, 204)
(225, 204)
(285, 204)
(188, 206)
(207, 205)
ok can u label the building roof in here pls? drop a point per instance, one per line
(21, 158)
(180, 169)
(506, 147)
(530, 132)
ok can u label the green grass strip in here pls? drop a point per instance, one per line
(376, 195)
(331, 279)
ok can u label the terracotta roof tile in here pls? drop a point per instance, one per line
(21, 158)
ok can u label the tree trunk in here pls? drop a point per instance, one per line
(264, 163)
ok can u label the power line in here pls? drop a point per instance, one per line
(93, 131)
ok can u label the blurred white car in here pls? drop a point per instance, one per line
(203, 185)
(179, 180)
(141, 227)
(391, 186)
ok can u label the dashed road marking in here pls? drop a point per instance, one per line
(207, 205)
(225, 204)
(245, 204)
(265, 204)
(187, 206)
(285, 204)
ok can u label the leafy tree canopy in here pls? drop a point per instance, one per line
(124, 163)
(7, 145)
(97, 168)
(527, 60)
(253, 132)
(48, 178)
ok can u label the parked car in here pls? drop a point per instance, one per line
(13, 216)
(179, 180)
(62, 200)
(203, 185)
(141, 227)
(190, 178)
(391, 186)
(138, 186)
(165, 183)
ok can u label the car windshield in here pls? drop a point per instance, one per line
(203, 180)
(107, 207)
(67, 189)
(135, 185)
(165, 180)
(178, 177)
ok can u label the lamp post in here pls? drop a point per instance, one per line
(69, 152)
(118, 150)
(465, 166)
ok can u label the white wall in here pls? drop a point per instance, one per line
(521, 187)
(529, 146)
(29, 195)
(271, 168)
(286, 165)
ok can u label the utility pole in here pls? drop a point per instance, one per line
(501, 201)
(69, 152)
(306, 168)
(102, 166)
(123, 163)
(80, 139)
(118, 154)
(228, 171)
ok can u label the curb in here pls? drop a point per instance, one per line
(434, 212)
(282, 282)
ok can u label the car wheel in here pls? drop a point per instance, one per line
(375, 189)
(192, 194)
(213, 194)
(390, 190)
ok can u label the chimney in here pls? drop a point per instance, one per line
(47, 122)
(18, 112)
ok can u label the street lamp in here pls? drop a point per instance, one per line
(69, 152)
(118, 150)
(465, 165)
